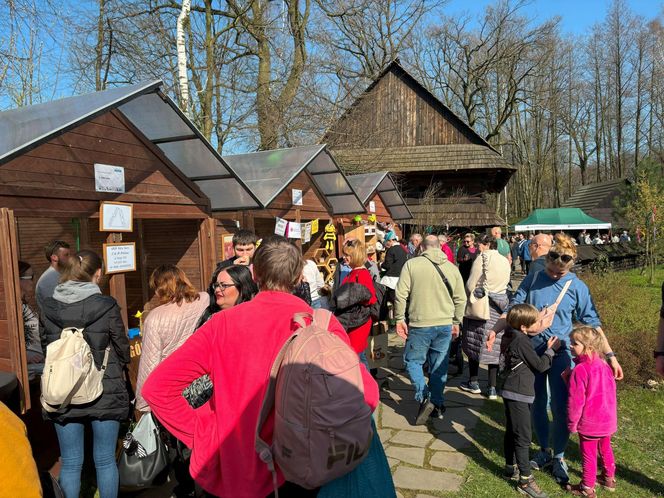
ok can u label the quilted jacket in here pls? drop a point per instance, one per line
(165, 329)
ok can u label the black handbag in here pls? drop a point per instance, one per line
(140, 472)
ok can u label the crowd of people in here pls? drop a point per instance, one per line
(209, 358)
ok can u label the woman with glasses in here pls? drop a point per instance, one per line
(230, 286)
(466, 255)
(542, 290)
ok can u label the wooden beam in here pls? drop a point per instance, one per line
(207, 243)
(117, 283)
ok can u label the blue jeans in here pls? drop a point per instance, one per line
(432, 344)
(558, 388)
(105, 436)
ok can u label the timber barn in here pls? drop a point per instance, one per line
(446, 171)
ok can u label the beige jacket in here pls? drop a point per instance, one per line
(497, 272)
(165, 329)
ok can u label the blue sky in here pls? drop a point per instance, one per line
(576, 15)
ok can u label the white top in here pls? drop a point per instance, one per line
(497, 272)
(313, 276)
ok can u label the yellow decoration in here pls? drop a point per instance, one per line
(372, 218)
(139, 315)
(314, 227)
(330, 236)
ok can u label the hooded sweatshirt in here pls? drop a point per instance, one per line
(81, 305)
(428, 299)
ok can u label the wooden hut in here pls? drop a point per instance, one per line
(380, 196)
(299, 185)
(397, 125)
(51, 188)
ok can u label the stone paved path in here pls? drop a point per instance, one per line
(423, 459)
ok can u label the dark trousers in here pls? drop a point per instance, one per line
(474, 371)
(517, 435)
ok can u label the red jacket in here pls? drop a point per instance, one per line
(237, 348)
(592, 405)
(448, 252)
(358, 336)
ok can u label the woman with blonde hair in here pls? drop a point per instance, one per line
(169, 324)
(568, 297)
(355, 254)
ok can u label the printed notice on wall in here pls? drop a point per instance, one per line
(307, 232)
(119, 257)
(314, 227)
(294, 230)
(109, 178)
(297, 197)
(280, 227)
(372, 207)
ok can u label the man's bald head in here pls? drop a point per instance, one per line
(540, 245)
(496, 232)
(431, 242)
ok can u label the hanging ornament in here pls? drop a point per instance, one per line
(372, 218)
(330, 236)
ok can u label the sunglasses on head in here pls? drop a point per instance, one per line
(565, 258)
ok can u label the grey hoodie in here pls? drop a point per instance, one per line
(422, 290)
(73, 291)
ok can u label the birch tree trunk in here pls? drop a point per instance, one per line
(183, 79)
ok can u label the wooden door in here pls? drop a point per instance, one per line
(12, 338)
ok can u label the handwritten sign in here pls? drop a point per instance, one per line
(109, 178)
(119, 257)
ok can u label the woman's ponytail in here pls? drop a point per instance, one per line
(82, 266)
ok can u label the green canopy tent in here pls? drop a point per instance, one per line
(560, 219)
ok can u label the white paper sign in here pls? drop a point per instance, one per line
(280, 227)
(297, 197)
(294, 230)
(120, 257)
(372, 207)
(307, 232)
(115, 217)
(109, 178)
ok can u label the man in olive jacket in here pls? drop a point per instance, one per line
(431, 289)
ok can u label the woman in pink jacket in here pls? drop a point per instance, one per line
(592, 410)
(237, 348)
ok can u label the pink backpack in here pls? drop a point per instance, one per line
(322, 425)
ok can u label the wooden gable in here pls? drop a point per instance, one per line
(397, 111)
(56, 179)
(313, 202)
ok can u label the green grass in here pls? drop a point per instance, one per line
(638, 447)
(628, 307)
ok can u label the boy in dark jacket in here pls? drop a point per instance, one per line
(518, 392)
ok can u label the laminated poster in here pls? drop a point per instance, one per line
(297, 197)
(280, 227)
(372, 207)
(314, 227)
(307, 232)
(294, 230)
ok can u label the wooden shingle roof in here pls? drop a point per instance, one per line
(454, 212)
(422, 158)
(596, 199)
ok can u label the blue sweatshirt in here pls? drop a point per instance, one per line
(540, 290)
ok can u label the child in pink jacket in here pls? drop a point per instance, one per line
(592, 410)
